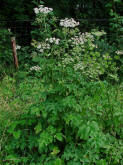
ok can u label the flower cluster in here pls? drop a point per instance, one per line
(79, 66)
(81, 38)
(18, 47)
(9, 30)
(78, 40)
(53, 40)
(43, 46)
(35, 68)
(88, 35)
(120, 52)
(68, 22)
(42, 9)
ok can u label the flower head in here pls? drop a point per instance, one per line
(9, 30)
(42, 9)
(18, 47)
(68, 22)
(41, 46)
(35, 68)
(120, 52)
(36, 10)
(53, 40)
(81, 38)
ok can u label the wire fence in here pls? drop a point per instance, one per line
(21, 29)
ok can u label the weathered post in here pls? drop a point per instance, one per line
(13, 41)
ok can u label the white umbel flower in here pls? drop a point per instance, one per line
(53, 40)
(68, 22)
(39, 46)
(9, 30)
(36, 10)
(78, 40)
(35, 68)
(42, 9)
(81, 38)
(18, 47)
(120, 52)
(41, 50)
(42, 46)
(57, 41)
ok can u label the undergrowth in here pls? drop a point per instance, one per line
(64, 121)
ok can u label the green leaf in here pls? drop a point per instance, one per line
(58, 161)
(38, 128)
(59, 136)
(36, 59)
(84, 132)
(55, 151)
(17, 134)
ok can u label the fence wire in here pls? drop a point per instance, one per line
(21, 29)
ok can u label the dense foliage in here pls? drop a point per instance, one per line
(64, 120)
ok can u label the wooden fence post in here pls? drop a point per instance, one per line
(13, 41)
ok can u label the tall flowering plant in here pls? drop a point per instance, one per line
(66, 118)
(62, 41)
